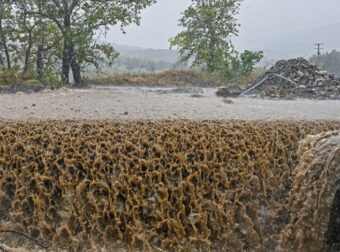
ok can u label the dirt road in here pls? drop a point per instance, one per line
(157, 103)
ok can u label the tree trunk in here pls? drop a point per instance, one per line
(2, 63)
(67, 50)
(76, 70)
(69, 55)
(4, 44)
(66, 64)
(40, 63)
(28, 52)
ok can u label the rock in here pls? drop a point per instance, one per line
(229, 91)
(227, 101)
(183, 90)
(300, 73)
(196, 96)
(222, 91)
(306, 81)
(322, 72)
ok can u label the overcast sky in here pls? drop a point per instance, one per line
(261, 23)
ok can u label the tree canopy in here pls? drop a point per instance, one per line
(329, 61)
(63, 35)
(208, 27)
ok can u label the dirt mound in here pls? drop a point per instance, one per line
(295, 78)
(314, 202)
(177, 185)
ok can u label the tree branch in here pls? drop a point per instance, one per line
(26, 236)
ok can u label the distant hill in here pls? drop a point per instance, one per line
(133, 59)
(146, 53)
(276, 46)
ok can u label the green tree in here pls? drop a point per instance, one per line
(329, 61)
(80, 22)
(209, 26)
(238, 65)
(7, 37)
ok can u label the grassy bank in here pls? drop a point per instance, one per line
(12, 80)
(172, 78)
(162, 79)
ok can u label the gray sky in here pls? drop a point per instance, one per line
(265, 25)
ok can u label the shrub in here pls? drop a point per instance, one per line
(9, 77)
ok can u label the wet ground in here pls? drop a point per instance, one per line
(157, 103)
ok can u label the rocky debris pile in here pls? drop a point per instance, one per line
(295, 78)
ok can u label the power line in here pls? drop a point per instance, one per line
(319, 48)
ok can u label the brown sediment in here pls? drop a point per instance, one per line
(156, 185)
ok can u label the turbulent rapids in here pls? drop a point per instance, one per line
(170, 185)
(314, 200)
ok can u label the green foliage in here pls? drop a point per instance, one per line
(50, 77)
(249, 59)
(9, 77)
(329, 61)
(8, 46)
(239, 65)
(209, 26)
(56, 37)
(82, 22)
(30, 75)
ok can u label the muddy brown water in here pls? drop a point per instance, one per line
(158, 103)
(319, 154)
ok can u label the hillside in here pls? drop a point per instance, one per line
(147, 53)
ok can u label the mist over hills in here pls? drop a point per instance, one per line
(147, 53)
(135, 59)
(276, 46)
(295, 44)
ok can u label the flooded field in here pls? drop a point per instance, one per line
(158, 103)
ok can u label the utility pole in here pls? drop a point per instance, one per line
(318, 48)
